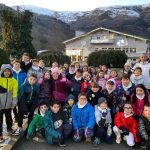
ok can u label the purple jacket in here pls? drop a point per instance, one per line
(60, 88)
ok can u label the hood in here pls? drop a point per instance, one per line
(113, 80)
(4, 67)
(70, 96)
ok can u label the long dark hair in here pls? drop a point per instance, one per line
(145, 91)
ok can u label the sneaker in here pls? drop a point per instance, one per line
(62, 143)
(17, 132)
(96, 142)
(118, 140)
(10, 131)
(124, 138)
(2, 140)
(88, 139)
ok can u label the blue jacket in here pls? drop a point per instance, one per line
(20, 77)
(83, 117)
(50, 132)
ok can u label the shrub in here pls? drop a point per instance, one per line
(4, 59)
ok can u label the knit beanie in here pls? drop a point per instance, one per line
(101, 100)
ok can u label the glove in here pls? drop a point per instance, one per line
(101, 123)
(124, 130)
(87, 132)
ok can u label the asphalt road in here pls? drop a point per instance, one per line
(23, 144)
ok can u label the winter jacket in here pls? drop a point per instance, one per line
(138, 106)
(102, 82)
(50, 132)
(60, 88)
(108, 121)
(36, 123)
(137, 80)
(93, 97)
(145, 72)
(20, 77)
(85, 86)
(76, 86)
(45, 88)
(83, 117)
(128, 122)
(28, 95)
(25, 67)
(38, 72)
(8, 89)
(144, 127)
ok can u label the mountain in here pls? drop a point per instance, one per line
(47, 32)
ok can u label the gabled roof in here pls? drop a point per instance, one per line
(109, 30)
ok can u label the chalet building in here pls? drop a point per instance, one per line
(105, 39)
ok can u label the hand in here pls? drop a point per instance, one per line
(124, 130)
(64, 79)
(76, 134)
(101, 123)
(87, 132)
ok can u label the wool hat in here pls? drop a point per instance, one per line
(4, 67)
(70, 96)
(102, 100)
(55, 70)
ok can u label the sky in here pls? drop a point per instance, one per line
(73, 5)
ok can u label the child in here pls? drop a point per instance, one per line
(68, 107)
(28, 100)
(35, 69)
(103, 122)
(144, 127)
(55, 130)
(111, 95)
(25, 62)
(71, 72)
(125, 89)
(76, 83)
(100, 79)
(86, 83)
(37, 123)
(127, 69)
(83, 119)
(8, 97)
(113, 75)
(94, 93)
(136, 77)
(45, 88)
(139, 98)
(106, 71)
(125, 124)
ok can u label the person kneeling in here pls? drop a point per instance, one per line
(127, 125)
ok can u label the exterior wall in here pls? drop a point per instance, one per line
(85, 45)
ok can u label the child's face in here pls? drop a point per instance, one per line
(55, 75)
(55, 108)
(72, 69)
(128, 109)
(126, 67)
(70, 102)
(139, 91)
(85, 68)
(82, 100)
(101, 74)
(25, 58)
(43, 108)
(113, 74)
(32, 80)
(87, 77)
(95, 89)
(16, 66)
(7, 73)
(47, 75)
(146, 112)
(78, 74)
(104, 68)
(137, 72)
(41, 64)
(110, 87)
(103, 106)
(125, 82)
(36, 64)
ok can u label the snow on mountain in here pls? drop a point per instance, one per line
(69, 16)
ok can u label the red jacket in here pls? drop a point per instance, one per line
(130, 123)
(84, 86)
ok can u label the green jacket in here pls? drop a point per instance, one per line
(36, 123)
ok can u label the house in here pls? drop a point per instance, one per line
(78, 48)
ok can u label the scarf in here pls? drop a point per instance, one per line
(127, 87)
(102, 110)
(126, 116)
(72, 72)
(42, 114)
(35, 68)
(81, 106)
(140, 97)
(16, 71)
(78, 79)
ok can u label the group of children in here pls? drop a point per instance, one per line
(76, 102)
